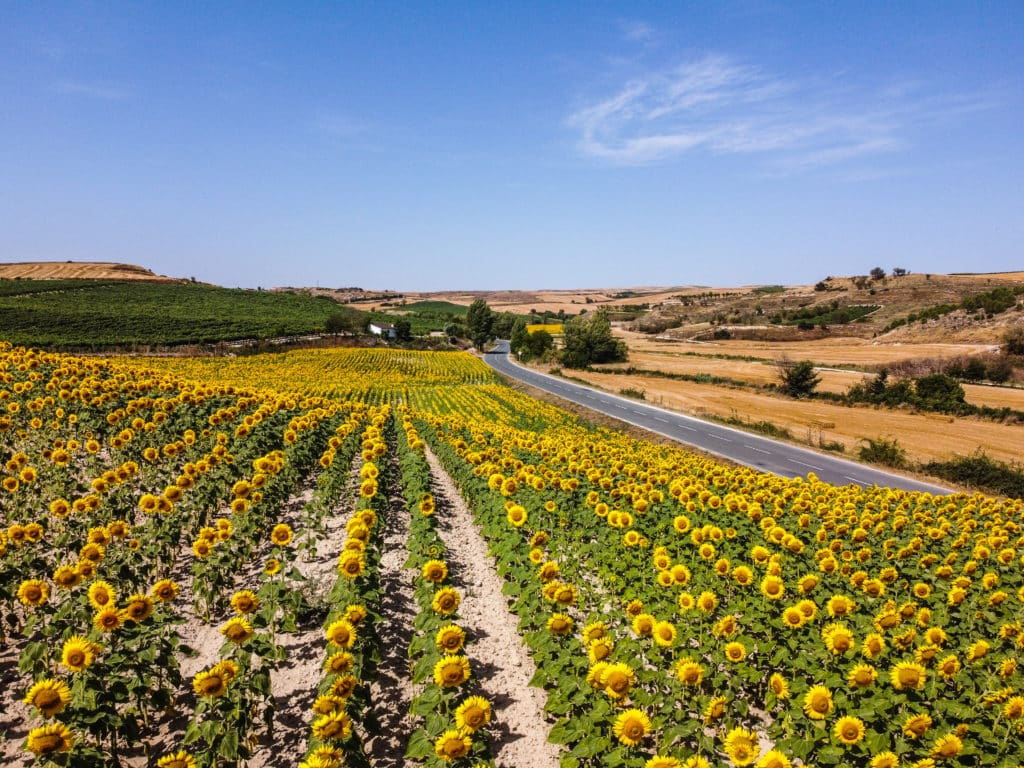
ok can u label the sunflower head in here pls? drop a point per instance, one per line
(631, 726)
(450, 639)
(451, 671)
(180, 759)
(452, 745)
(472, 714)
(50, 739)
(49, 696)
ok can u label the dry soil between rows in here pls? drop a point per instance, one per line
(500, 661)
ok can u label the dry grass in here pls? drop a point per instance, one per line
(77, 270)
(925, 436)
(682, 358)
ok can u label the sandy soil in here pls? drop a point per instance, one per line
(518, 733)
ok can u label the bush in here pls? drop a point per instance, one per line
(636, 394)
(982, 472)
(883, 451)
(798, 379)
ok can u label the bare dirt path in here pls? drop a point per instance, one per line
(519, 734)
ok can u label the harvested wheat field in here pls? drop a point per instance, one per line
(76, 270)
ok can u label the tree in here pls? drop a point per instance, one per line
(345, 322)
(877, 273)
(538, 344)
(403, 329)
(519, 337)
(480, 322)
(588, 340)
(797, 379)
(898, 271)
(1013, 340)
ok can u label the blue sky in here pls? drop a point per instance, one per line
(477, 145)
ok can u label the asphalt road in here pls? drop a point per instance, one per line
(752, 450)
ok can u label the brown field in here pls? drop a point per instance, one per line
(77, 270)
(925, 437)
(697, 358)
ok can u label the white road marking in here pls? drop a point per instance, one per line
(663, 421)
(755, 448)
(719, 437)
(805, 464)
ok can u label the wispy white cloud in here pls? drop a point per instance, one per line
(637, 31)
(92, 90)
(721, 106)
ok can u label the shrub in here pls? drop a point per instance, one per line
(798, 379)
(883, 451)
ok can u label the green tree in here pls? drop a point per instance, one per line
(797, 379)
(518, 339)
(480, 323)
(939, 392)
(539, 343)
(588, 340)
(345, 322)
(403, 329)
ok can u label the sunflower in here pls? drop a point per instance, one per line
(861, 676)
(139, 607)
(435, 571)
(838, 638)
(818, 702)
(211, 683)
(332, 726)
(947, 746)
(778, 685)
(617, 679)
(327, 703)
(773, 587)
(341, 633)
(600, 649)
(452, 745)
(686, 602)
(66, 577)
(643, 624)
(281, 535)
(355, 613)
(689, 672)
(873, 646)
(180, 759)
(450, 639)
(101, 594)
(344, 686)
(631, 726)
(50, 739)
(793, 617)
(164, 590)
(664, 634)
(107, 619)
(594, 631)
(33, 592)
(272, 566)
(735, 652)
(663, 761)
(885, 760)
(707, 602)
(351, 563)
(907, 674)
(446, 601)
(237, 630)
(948, 666)
(472, 714)
(774, 759)
(741, 746)
(49, 696)
(559, 624)
(339, 662)
(1013, 709)
(244, 602)
(451, 671)
(78, 653)
(849, 730)
(914, 726)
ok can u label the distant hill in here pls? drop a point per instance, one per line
(78, 270)
(107, 314)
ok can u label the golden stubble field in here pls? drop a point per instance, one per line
(925, 437)
(77, 270)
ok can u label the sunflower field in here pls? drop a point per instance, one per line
(679, 612)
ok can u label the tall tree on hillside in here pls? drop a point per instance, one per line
(480, 323)
(519, 336)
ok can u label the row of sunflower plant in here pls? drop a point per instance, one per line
(452, 713)
(343, 713)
